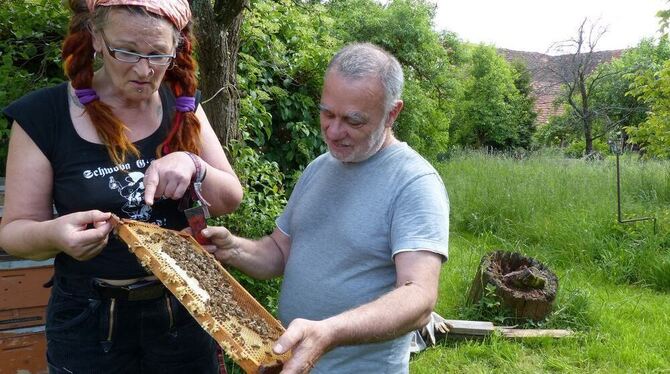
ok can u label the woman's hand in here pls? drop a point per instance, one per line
(82, 235)
(168, 176)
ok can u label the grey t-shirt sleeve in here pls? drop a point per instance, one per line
(283, 221)
(420, 217)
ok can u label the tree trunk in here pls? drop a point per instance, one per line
(522, 284)
(218, 41)
(588, 137)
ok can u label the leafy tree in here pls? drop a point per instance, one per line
(559, 131)
(284, 53)
(526, 104)
(651, 86)
(617, 99)
(492, 113)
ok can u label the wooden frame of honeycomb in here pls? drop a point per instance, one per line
(241, 326)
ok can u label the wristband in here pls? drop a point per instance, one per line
(200, 174)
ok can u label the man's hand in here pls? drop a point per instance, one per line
(308, 341)
(224, 246)
(437, 326)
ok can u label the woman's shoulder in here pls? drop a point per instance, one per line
(41, 114)
(39, 99)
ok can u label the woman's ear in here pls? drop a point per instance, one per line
(96, 39)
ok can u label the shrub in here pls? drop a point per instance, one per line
(31, 33)
(263, 201)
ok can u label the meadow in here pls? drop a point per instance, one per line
(614, 278)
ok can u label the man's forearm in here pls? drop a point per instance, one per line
(261, 259)
(404, 309)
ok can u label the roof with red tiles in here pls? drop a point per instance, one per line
(546, 83)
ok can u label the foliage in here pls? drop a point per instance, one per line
(284, 52)
(650, 84)
(487, 308)
(617, 109)
(493, 112)
(263, 201)
(526, 104)
(30, 37)
(581, 80)
(613, 101)
(264, 195)
(559, 131)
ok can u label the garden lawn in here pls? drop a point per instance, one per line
(613, 278)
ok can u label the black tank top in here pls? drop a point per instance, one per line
(85, 178)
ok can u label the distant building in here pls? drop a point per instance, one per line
(546, 85)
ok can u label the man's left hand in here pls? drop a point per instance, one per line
(308, 341)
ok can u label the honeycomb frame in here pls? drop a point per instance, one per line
(239, 335)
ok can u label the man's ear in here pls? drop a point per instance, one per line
(393, 113)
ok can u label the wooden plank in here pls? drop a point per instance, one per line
(533, 333)
(464, 329)
(475, 328)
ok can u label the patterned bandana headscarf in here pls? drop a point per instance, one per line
(176, 11)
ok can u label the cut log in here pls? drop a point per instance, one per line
(522, 284)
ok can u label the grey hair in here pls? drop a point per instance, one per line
(362, 60)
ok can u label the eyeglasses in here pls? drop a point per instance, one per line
(132, 57)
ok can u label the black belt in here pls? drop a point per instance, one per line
(142, 290)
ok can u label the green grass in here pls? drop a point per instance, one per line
(613, 278)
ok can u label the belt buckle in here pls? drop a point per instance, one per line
(144, 290)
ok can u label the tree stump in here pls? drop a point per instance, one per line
(522, 284)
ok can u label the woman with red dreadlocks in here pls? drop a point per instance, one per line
(126, 135)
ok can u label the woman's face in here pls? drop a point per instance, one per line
(138, 34)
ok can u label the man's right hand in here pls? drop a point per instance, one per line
(224, 247)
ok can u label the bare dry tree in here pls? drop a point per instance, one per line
(575, 70)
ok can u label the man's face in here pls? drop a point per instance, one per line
(354, 123)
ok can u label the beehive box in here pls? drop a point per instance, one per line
(243, 328)
(23, 297)
(23, 351)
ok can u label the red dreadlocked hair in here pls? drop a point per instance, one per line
(78, 56)
(185, 132)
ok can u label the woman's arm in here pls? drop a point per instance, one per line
(171, 175)
(221, 187)
(28, 229)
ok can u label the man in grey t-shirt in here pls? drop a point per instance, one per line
(362, 239)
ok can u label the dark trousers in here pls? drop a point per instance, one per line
(88, 333)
